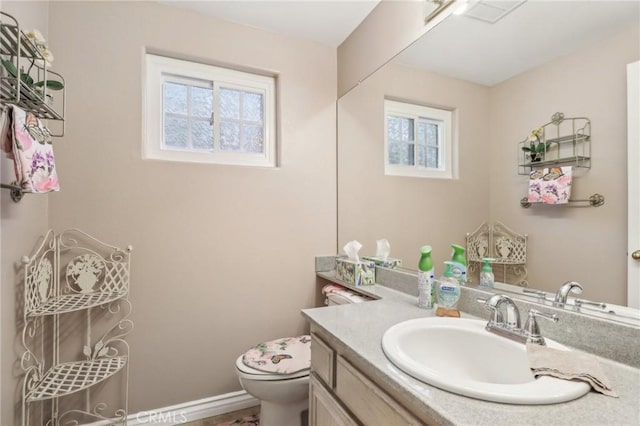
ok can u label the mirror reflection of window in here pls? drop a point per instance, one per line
(418, 140)
(428, 148)
(401, 140)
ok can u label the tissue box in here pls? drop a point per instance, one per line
(355, 272)
(389, 262)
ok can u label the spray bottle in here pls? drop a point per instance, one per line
(459, 266)
(426, 274)
(486, 275)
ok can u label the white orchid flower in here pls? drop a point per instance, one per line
(47, 55)
(36, 37)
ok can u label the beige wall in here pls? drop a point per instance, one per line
(223, 256)
(388, 29)
(587, 245)
(410, 212)
(21, 224)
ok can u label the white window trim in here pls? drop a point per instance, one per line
(446, 151)
(152, 146)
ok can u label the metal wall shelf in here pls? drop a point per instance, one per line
(18, 49)
(566, 141)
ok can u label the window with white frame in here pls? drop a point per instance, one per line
(207, 114)
(418, 140)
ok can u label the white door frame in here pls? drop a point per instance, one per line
(633, 187)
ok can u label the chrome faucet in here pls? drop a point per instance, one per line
(510, 328)
(565, 289)
(495, 302)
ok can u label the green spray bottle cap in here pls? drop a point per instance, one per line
(458, 254)
(448, 265)
(487, 267)
(425, 263)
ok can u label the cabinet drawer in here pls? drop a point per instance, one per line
(322, 360)
(324, 409)
(370, 404)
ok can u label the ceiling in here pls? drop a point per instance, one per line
(472, 49)
(532, 34)
(328, 22)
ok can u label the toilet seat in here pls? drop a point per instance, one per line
(247, 372)
(281, 359)
(286, 355)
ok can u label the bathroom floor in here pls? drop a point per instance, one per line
(247, 417)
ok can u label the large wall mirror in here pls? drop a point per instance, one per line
(501, 80)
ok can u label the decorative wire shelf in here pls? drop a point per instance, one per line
(560, 141)
(75, 302)
(91, 278)
(10, 40)
(74, 272)
(506, 248)
(579, 161)
(14, 44)
(28, 100)
(70, 377)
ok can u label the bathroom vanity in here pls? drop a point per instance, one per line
(353, 382)
(336, 383)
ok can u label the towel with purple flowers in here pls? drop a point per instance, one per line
(28, 143)
(550, 185)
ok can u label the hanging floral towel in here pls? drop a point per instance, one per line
(550, 185)
(284, 356)
(28, 143)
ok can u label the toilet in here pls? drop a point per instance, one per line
(277, 372)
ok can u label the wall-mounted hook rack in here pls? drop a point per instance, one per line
(16, 191)
(596, 200)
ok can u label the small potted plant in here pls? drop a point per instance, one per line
(537, 146)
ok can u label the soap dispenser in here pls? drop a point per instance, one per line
(486, 275)
(448, 292)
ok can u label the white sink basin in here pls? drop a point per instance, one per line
(460, 356)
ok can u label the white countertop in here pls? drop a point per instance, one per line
(357, 330)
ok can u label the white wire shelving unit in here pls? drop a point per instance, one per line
(76, 318)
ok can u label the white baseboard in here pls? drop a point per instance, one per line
(190, 411)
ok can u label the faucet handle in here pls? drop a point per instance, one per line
(531, 329)
(580, 302)
(538, 293)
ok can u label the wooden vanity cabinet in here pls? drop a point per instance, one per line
(324, 408)
(340, 394)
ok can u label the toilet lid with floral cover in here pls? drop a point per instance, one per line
(284, 356)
